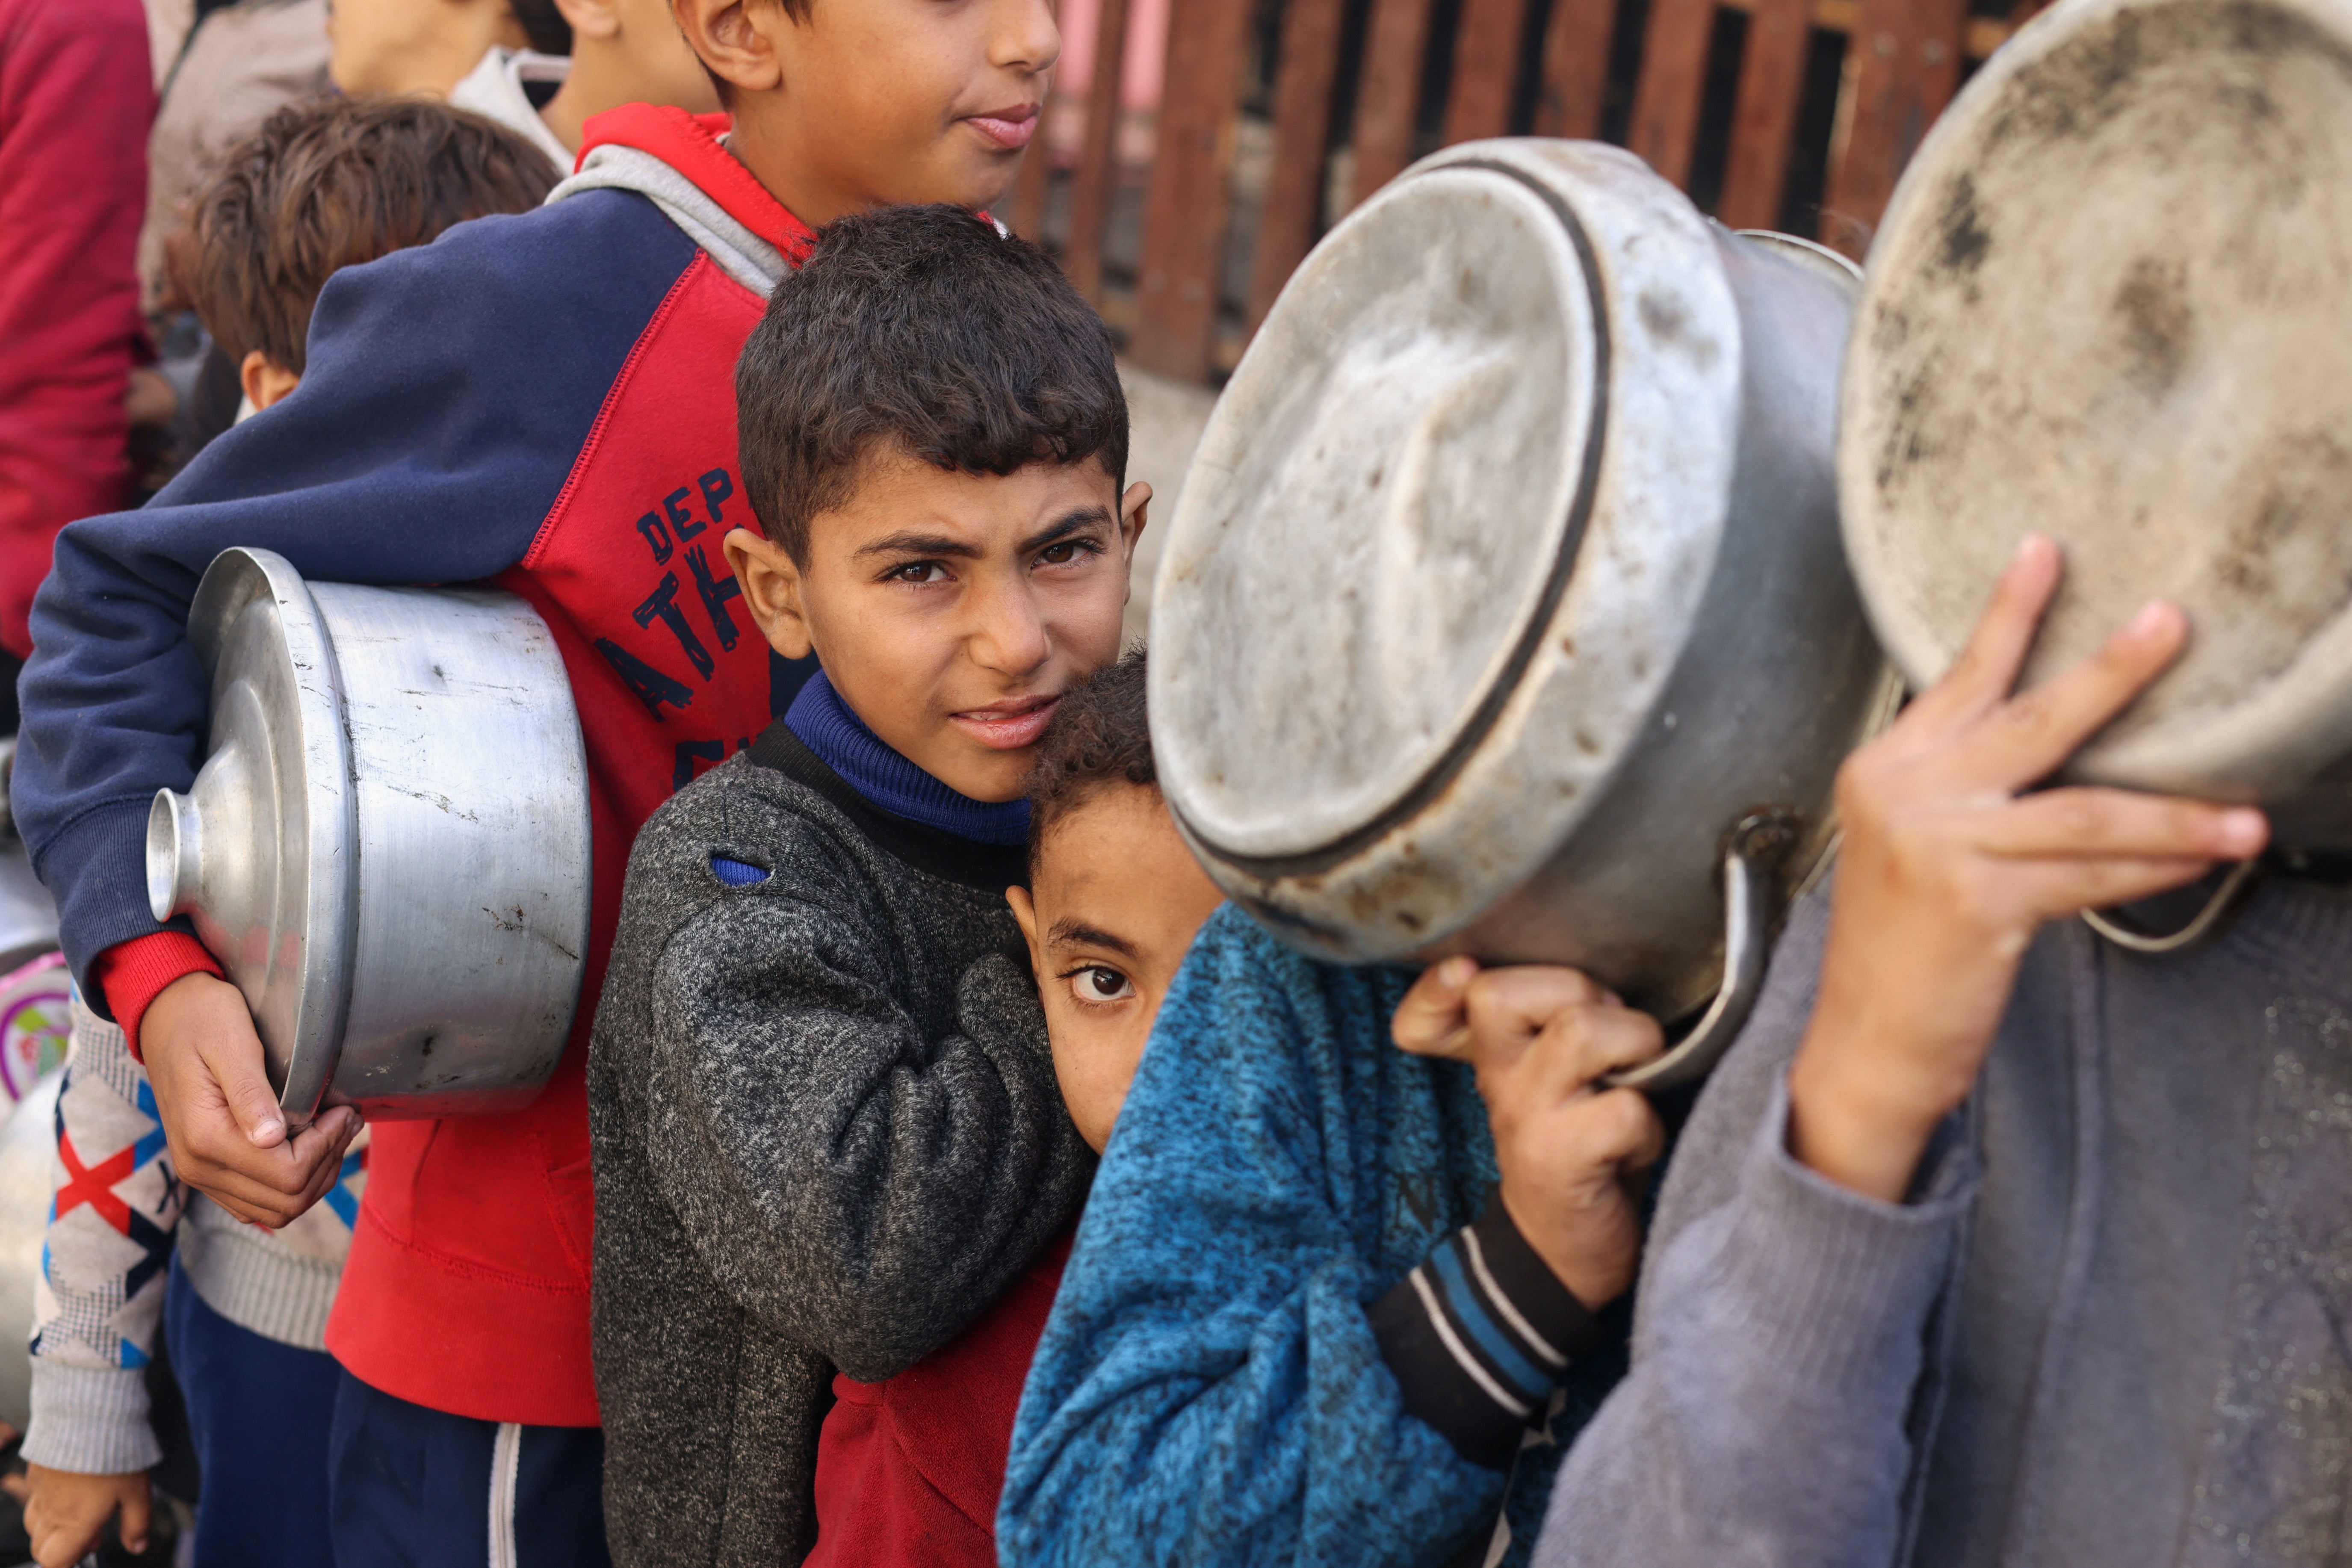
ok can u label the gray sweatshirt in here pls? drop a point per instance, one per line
(826, 1136)
(2110, 1331)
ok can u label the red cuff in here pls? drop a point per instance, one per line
(131, 974)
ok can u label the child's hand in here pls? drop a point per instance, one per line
(220, 1116)
(1572, 1155)
(1948, 871)
(65, 1513)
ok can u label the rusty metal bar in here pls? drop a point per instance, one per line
(1486, 68)
(1304, 81)
(1090, 185)
(1388, 103)
(1191, 196)
(1764, 115)
(1673, 80)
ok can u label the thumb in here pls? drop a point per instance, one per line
(1433, 1018)
(138, 1515)
(234, 1060)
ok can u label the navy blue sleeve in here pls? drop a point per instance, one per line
(448, 392)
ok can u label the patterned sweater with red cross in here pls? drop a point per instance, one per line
(117, 1211)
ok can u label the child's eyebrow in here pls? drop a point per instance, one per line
(1085, 517)
(919, 544)
(1068, 931)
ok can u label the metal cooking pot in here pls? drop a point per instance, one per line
(1504, 611)
(388, 846)
(2109, 302)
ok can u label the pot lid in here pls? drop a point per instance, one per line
(1412, 432)
(258, 851)
(2109, 302)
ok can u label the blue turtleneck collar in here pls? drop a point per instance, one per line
(826, 726)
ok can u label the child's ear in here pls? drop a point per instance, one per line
(736, 39)
(1024, 915)
(1134, 510)
(771, 579)
(264, 381)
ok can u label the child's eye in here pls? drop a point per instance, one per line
(1067, 550)
(1100, 982)
(918, 572)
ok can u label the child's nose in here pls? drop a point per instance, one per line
(1027, 37)
(1010, 636)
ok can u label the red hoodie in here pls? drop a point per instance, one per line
(75, 97)
(467, 1285)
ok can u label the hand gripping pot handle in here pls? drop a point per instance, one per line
(387, 848)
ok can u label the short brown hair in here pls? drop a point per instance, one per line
(327, 184)
(1100, 737)
(923, 329)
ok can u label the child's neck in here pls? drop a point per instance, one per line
(772, 147)
(885, 778)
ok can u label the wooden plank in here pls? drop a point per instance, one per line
(1575, 84)
(1388, 98)
(1486, 69)
(1907, 56)
(1764, 114)
(1672, 82)
(1984, 35)
(1292, 213)
(1191, 196)
(1090, 185)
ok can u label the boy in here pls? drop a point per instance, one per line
(908, 1469)
(826, 1130)
(541, 402)
(319, 186)
(1302, 1322)
(1997, 1243)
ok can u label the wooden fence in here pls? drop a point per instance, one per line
(1277, 116)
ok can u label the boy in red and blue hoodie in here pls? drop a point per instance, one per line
(544, 403)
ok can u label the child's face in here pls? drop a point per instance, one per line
(1115, 903)
(878, 102)
(953, 610)
(413, 46)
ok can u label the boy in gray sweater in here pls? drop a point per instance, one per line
(1992, 1241)
(826, 1130)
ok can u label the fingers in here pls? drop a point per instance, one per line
(2100, 824)
(1624, 1130)
(271, 1187)
(1509, 1007)
(1985, 671)
(2060, 889)
(236, 1068)
(137, 1514)
(2040, 729)
(1433, 1020)
(1588, 1042)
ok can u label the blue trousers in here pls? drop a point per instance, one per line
(414, 1488)
(260, 1413)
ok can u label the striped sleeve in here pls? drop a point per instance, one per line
(1480, 1334)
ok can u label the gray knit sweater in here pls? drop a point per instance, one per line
(2109, 1331)
(826, 1135)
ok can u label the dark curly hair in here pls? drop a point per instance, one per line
(329, 184)
(1101, 736)
(920, 329)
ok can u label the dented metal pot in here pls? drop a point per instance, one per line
(1504, 610)
(2108, 302)
(387, 846)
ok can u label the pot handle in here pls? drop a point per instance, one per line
(1748, 896)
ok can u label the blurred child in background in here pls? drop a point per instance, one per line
(320, 186)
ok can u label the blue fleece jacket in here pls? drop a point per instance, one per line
(1212, 1387)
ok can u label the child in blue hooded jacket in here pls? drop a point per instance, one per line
(1302, 1322)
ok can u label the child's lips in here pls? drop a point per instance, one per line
(1008, 127)
(1007, 729)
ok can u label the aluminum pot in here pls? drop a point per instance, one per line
(387, 846)
(2109, 302)
(1504, 611)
